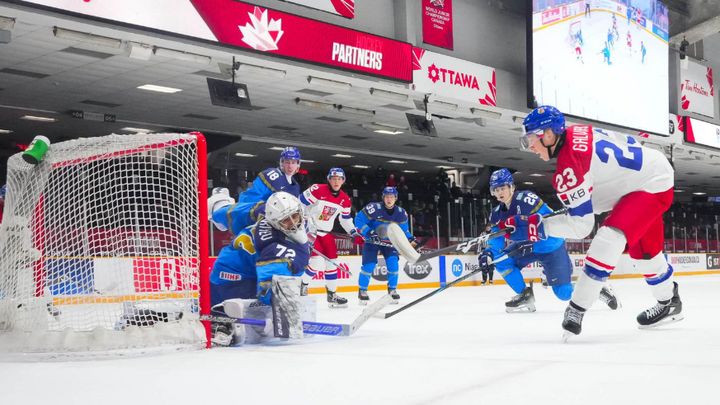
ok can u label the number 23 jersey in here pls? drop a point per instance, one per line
(595, 168)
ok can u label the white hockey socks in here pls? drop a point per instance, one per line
(602, 257)
(658, 275)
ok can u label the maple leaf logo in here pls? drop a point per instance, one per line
(433, 73)
(260, 33)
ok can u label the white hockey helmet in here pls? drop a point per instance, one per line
(285, 213)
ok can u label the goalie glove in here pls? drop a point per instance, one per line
(220, 198)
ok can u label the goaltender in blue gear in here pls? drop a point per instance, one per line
(372, 222)
(527, 245)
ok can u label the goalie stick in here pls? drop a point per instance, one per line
(398, 239)
(315, 328)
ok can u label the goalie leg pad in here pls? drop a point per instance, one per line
(286, 307)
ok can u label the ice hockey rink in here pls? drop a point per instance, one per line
(458, 347)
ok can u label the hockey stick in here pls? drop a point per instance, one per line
(436, 291)
(315, 328)
(331, 261)
(398, 239)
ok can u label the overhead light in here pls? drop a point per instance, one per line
(677, 190)
(279, 148)
(182, 55)
(5, 131)
(536, 175)
(87, 38)
(315, 105)
(443, 105)
(699, 193)
(159, 89)
(307, 161)
(528, 183)
(361, 167)
(261, 70)
(397, 162)
(410, 171)
(340, 155)
(37, 118)
(359, 112)
(486, 113)
(389, 95)
(7, 23)
(383, 128)
(444, 167)
(136, 130)
(336, 85)
(244, 155)
(139, 51)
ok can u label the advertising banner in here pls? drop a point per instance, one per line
(453, 78)
(701, 132)
(345, 8)
(260, 29)
(437, 23)
(697, 91)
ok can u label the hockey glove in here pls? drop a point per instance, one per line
(374, 238)
(220, 198)
(510, 224)
(485, 260)
(526, 227)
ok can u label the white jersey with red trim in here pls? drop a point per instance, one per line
(595, 168)
(323, 207)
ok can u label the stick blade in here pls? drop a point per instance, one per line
(400, 242)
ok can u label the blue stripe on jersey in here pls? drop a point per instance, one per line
(595, 273)
(582, 209)
(303, 199)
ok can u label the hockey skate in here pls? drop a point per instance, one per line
(363, 297)
(525, 301)
(394, 295)
(663, 312)
(222, 334)
(336, 301)
(572, 322)
(304, 290)
(608, 297)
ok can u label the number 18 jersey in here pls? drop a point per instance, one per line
(595, 168)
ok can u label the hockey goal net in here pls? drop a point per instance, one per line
(103, 247)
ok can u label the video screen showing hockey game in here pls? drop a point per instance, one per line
(603, 60)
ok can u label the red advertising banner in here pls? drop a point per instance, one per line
(437, 23)
(262, 29)
(345, 8)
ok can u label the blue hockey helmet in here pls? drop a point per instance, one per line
(390, 191)
(290, 153)
(499, 178)
(540, 119)
(336, 171)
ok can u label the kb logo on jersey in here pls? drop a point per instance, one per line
(568, 198)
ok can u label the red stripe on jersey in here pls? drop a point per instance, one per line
(598, 263)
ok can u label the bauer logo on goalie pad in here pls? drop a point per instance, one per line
(418, 271)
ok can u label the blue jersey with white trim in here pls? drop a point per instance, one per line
(267, 182)
(375, 215)
(523, 203)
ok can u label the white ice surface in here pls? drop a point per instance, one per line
(459, 347)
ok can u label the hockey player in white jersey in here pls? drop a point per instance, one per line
(600, 171)
(324, 203)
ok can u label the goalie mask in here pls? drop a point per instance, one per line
(285, 213)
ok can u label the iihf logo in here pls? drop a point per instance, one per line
(438, 3)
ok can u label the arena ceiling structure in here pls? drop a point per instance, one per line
(90, 88)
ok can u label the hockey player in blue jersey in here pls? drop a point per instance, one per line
(371, 222)
(550, 252)
(226, 214)
(275, 245)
